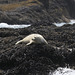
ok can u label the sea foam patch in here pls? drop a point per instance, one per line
(63, 71)
(63, 23)
(5, 25)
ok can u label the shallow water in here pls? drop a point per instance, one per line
(63, 23)
(5, 25)
(63, 71)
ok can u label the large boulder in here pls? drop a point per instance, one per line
(37, 12)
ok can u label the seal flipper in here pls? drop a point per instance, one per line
(29, 42)
(33, 38)
(19, 42)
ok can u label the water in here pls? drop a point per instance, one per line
(5, 25)
(63, 71)
(62, 23)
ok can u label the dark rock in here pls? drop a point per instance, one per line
(71, 6)
(40, 12)
(37, 59)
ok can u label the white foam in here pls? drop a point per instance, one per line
(63, 23)
(63, 71)
(5, 25)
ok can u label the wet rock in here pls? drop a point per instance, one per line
(37, 59)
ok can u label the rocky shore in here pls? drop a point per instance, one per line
(37, 12)
(37, 59)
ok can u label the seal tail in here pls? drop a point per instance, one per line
(18, 42)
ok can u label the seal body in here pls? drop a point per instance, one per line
(33, 38)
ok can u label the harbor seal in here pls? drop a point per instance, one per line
(33, 38)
